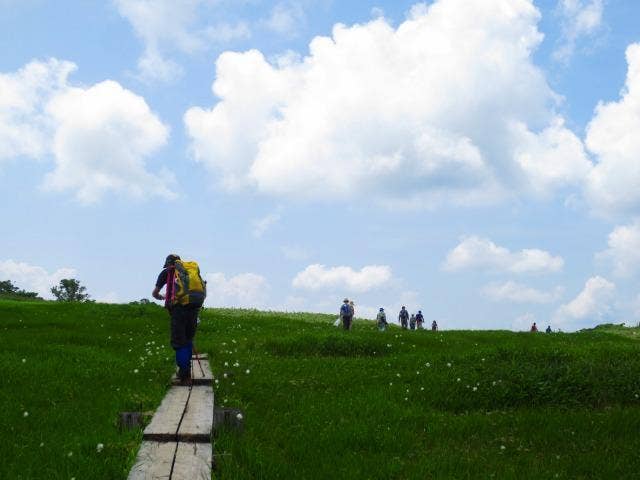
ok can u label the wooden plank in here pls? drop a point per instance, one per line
(202, 376)
(154, 461)
(164, 424)
(200, 356)
(197, 423)
(193, 461)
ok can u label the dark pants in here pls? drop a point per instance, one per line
(346, 322)
(183, 328)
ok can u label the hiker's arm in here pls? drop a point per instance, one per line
(156, 294)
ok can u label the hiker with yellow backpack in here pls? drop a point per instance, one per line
(183, 298)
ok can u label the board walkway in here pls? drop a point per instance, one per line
(177, 442)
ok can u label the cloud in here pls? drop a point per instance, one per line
(447, 107)
(103, 135)
(318, 277)
(261, 225)
(24, 126)
(33, 278)
(99, 136)
(166, 26)
(482, 254)
(245, 290)
(591, 305)
(516, 292)
(624, 249)
(579, 18)
(612, 185)
(285, 18)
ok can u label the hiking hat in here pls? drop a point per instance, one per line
(381, 309)
(171, 259)
(346, 300)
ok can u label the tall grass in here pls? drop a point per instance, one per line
(319, 402)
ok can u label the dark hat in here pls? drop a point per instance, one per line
(171, 260)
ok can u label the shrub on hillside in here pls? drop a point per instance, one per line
(9, 291)
(70, 290)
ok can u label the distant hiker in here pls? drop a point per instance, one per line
(381, 318)
(434, 326)
(403, 316)
(534, 327)
(419, 320)
(548, 330)
(183, 298)
(346, 314)
(412, 322)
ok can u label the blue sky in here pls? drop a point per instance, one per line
(476, 159)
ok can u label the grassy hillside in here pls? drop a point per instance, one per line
(319, 402)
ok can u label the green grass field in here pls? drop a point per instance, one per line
(319, 402)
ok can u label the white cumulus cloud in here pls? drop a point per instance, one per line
(99, 136)
(482, 254)
(516, 292)
(591, 305)
(612, 135)
(24, 126)
(103, 136)
(318, 277)
(245, 290)
(447, 107)
(33, 278)
(624, 249)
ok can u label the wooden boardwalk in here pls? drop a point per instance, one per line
(177, 443)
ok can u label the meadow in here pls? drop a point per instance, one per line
(319, 402)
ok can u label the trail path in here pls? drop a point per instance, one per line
(177, 443)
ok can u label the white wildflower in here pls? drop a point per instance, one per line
(99, 447)
(25, 414)
(135, 371)
(247, 371)
(24, 360)
(239, 416)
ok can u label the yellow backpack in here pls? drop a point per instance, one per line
(189, 288)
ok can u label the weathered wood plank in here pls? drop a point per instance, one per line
(197, 423)
(193, 461)
(154, 461)
(164, 424)
(201, 376)
(200, 356)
